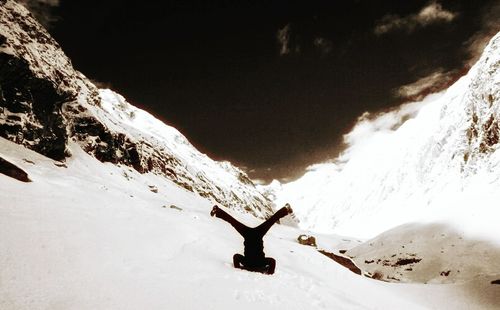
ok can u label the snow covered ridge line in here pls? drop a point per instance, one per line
(429, 160)
(45, 103)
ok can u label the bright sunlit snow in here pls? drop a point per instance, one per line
(94, 236)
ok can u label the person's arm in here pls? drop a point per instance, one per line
(264, 227)
(218, 212)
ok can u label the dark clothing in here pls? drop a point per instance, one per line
(254, 257)
(268, 266)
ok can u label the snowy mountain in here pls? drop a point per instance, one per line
(433, 160)
(45, 104)
(105, 207)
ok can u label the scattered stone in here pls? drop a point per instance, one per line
(153, 188)
(369, 261)
(175, 207)
(344, 261)
(445, 273)
(378, 276)
(28, 161)
(342, 251)
(495, 281)
(307, 240)
(407, 261)
(60, 164)
(13, 171)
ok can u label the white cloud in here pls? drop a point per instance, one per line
(430, 83)
(370, 126)
(283, 36)
(101, 84)
(440, 79)
(324, 45)
(430, 14)
(434, 12)
(42, 10)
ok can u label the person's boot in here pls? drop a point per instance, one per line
(238, 261)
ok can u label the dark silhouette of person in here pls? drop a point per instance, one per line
(254, 258)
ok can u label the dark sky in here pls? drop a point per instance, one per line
(269, 85)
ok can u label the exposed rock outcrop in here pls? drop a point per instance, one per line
(13, 171)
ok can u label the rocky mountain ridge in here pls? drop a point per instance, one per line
(45, 103)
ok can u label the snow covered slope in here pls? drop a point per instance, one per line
(427, 253)
(434, 160)
(93, 235)
(45, 104)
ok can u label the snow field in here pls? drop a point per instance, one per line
(94, 236)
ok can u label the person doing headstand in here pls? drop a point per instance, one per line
(254, 258)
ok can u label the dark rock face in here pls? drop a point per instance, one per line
(13, 171)
(407, 261)
(30, 98)
(492, 132)
(41, 125)
(344, 261)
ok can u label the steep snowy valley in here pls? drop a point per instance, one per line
(103, 206)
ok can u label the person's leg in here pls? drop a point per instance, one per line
(264, 227)
(238, 261)
(218, 212)
(270, 264)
